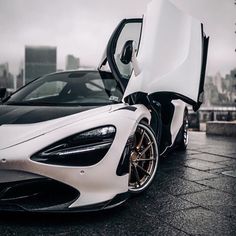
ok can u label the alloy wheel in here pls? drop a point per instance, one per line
(143, 159)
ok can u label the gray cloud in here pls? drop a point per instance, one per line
(219, 18)
(83, 27)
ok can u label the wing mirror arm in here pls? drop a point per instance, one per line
(128, 55)
(134, 62)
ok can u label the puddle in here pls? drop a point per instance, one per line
(231, 173)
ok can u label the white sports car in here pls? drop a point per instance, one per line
(86, 140)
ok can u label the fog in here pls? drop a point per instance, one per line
(83, 28)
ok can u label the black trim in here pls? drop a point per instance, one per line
(156, 121)
(174, 96)
(36, 195)
(205, 44)
(118, 199)
(179, 140)
(123, 167)
(13, 114)
(129, 108)
(179, 137)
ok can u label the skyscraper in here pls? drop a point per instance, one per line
(72, 62)
(39, 61)
(20, 77)
(233, 85)
(6, 78)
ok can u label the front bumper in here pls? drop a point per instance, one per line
(41, 194)
(47, 195)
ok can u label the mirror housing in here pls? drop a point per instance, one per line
(127, 52)
(3, 93)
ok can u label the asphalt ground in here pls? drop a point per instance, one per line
(193, 193)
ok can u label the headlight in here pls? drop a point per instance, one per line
(83, 149)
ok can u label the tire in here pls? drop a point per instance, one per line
(184, 133)
(143, 159)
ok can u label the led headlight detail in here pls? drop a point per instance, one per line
(83, 149)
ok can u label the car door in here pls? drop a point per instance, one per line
(127, 30)
(170, 54)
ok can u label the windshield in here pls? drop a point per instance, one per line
(84, 88)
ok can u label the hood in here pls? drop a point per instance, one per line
(20, 124)
(35, 114)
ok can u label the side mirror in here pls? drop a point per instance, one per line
(3, 92)
(127, 52)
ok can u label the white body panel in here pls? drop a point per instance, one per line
(170, 54)
(177, 121)
(26, 132)
(97, 183)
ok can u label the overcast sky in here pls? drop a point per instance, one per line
(83, 27)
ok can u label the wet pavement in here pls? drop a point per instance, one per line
(193, 193)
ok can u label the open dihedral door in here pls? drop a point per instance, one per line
(172, 55)
(129, 30)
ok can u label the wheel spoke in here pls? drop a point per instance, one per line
(137, 175)
(149, 159)
(141, 168)
(141, 141)
(146, 149)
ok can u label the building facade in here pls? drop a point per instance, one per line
(39, 61)
(220, 91)
(6, 78)
(72, 62)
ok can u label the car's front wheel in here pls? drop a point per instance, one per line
(143, 159)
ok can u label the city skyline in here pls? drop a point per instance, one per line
(39, 61)
(64, 65)
(27, 22)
